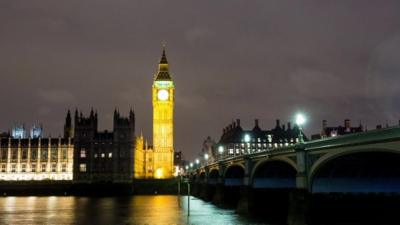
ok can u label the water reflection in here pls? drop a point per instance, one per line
(122, 210)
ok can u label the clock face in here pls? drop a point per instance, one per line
(162, 95)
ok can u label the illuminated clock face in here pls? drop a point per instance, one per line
(162, 95)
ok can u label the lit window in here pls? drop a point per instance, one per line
(82, 167)
(13, 168)
(230, 151)
(64, 168)
(43, 167)
(102, 155)
(110, 155)
(95, 155)
(53, 168)
(83, 153)
(276, 145)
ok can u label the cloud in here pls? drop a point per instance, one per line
(56, 96)
(198, 33)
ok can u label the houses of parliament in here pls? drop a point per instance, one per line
(86, 155)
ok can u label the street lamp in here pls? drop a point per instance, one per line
(206, 157)
(247, 139)
(197, 162)
(191, 165)
(221, 149)
(300, 120)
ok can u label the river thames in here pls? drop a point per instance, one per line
(158, 209)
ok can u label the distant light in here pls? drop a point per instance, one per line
(221, 149)
(186, 167)
(176, 172)
(247, 138)
(197, 161)
(159, 173)
(300, 119)
(191, 165)
(206, 156)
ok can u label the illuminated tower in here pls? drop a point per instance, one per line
(163, 121)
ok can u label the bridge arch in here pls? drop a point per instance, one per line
(274, 173)
(213, 176)
(357, 170)
(202, 177)
(234, 175)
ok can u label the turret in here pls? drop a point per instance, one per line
(68, 131)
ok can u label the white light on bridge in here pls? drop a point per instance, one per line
(300, 119)
(197, 161)
(206, 156)
(221, 149)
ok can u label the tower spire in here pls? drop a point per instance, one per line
(163, 73)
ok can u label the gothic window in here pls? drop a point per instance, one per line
(34, 154)
(54, 154)
(64, 168)
(3, 168)
(23, 168)
(14, 153)
(4, 154)
(33, 168)
(53, 168)
(24, 154)
(44, 154)
(64, 153)
(43, 169)
(13, 168)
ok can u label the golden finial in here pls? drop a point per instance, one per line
(164, 44)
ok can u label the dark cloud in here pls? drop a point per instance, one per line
(229, 59)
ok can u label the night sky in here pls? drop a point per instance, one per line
(229, 59)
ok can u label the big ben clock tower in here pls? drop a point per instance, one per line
(163, 121)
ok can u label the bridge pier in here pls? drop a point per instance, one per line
(218, 198)
(245, 203)
(299, 202)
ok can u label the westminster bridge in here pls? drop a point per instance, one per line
(360, 164)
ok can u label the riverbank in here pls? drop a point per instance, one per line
(62, 188)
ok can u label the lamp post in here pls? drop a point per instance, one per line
(300, 120)
(197, 163)
(206, 158)
(247, 139)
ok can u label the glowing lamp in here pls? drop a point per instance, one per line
(247, 138)
(300, 119)
(159, 173)
(221, 149)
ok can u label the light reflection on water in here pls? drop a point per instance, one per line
(160, 209)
